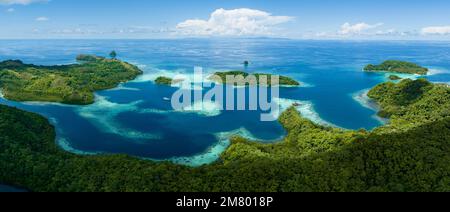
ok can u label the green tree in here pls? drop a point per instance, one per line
(113, 55)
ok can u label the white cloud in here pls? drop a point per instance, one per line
(237, 22)
(42, 19)
(436, 30)
(22, 2)
(10, 10)
(357, 29)
(98, 30)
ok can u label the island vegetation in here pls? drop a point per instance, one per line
(167, 81)
(394, 77)
(113, 55)
(397, 66)
(69, 84)
(412, 153)
(164, 81)
(222, 78)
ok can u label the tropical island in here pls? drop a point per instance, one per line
(397, 66)
(167, 80)
(394, 77)
(163, 81)
(222, 78)
(68, 84)
(409, 154)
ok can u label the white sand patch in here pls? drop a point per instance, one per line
(122, 87)
(205, 108)
(153, 73)
(35, 103)
(139, 65)
(214, 153)
(306, 109)
(302, 85)
(403, 76)
(42, 104)
(208, 157)
(103, 112)
(65, 145)
(362, 98)
(381, 120)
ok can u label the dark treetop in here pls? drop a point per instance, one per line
(412, 153)
(397, 67)
(70, 84)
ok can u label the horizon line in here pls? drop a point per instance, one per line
(234, 38)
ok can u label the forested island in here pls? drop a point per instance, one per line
(397, 66)
(222, 78)
(69, 84)
(394, 77)
(409, 154)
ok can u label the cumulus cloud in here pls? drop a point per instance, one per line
(10, 10)
(42, 19)
(237, 22)
(436, 30)
(357, 29)
(22, 2)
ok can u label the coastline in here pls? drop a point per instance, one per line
(305, 108)
(211, 155)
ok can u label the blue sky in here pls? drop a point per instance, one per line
(301, 19)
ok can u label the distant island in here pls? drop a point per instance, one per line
(163, 81)
(397, 66)
(69, 84)
(311, 157)
(286, 81)
(394, 77)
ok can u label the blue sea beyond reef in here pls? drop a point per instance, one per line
(137, 119)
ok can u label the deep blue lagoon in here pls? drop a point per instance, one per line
(137, 119)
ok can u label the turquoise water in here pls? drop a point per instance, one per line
(135, 119)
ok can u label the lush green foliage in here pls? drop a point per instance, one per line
(223, 78)
(70, 84)
(394, 77)
(398, 67)
(163, 81)
(412, 153)
(395, 98)
(113, 54)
